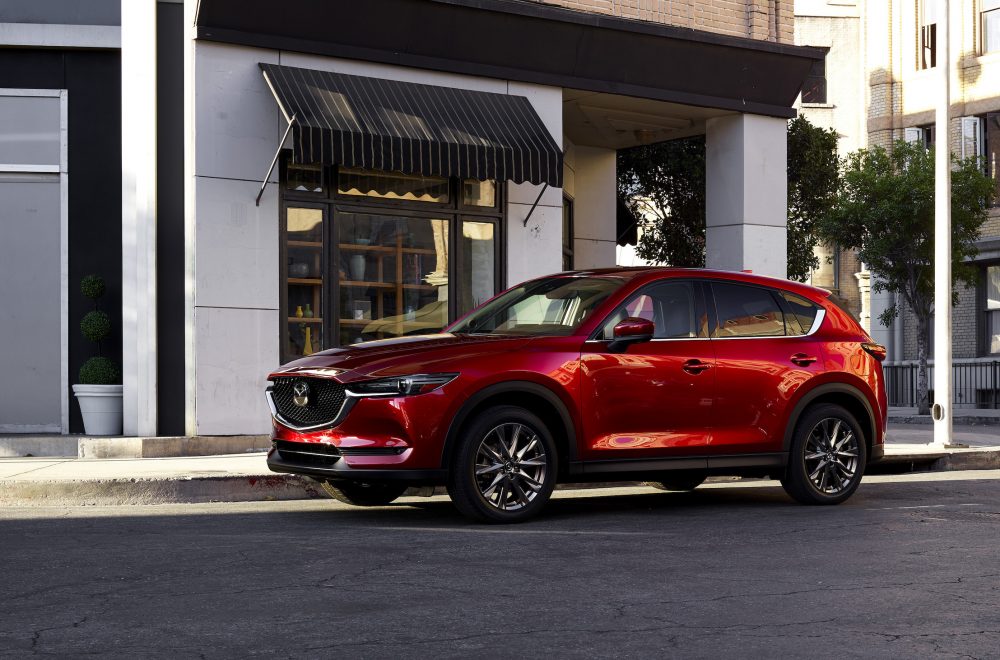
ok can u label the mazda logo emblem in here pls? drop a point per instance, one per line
(300, 393)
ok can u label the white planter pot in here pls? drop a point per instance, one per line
(101, 406)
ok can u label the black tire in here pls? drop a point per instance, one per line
(362, 493)
(679, 481)
(822, 470)
(513, 497)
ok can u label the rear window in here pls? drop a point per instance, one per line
(803, 314)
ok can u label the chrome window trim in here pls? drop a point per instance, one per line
(817, 322)
(295, 427)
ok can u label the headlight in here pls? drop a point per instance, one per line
(400, 385)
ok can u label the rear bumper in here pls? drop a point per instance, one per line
(341, 471)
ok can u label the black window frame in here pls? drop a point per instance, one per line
(333, 203)
(982, 312)
(569, 234)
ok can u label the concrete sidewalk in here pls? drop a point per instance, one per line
(245, 477)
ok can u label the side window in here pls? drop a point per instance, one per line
(803, 314)
(747, 311)
(672, 308)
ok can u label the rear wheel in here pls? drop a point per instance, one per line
(827, 457)
(504, 470)
(364, 493)
(679, 481)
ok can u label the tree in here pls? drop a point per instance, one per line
(664, 186)
(884, 209)
(813, 169)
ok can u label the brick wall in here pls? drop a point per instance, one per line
(964, 333)
(768, 20)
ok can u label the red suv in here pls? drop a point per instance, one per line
(655, 374)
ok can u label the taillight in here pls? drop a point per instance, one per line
(877, 351)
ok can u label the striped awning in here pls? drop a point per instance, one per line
(379, 124)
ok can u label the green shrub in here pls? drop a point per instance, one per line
(96, 325)
(92, 286)
(100, 371)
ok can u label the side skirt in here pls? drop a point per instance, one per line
(639, 468)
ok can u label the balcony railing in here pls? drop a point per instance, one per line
(975, 384)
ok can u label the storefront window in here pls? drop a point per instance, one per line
(393, 274)
(478, 267)
(392, 185)
(383, 254)
(304, 270)
(479, 193)
(304, 178)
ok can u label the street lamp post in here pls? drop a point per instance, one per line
(941, 411)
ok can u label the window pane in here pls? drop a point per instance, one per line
(391, 185)
(993, 287)
(479, 193)
(991, 31)
(803, 314)
(671, 308)
(304, 286)
(746, 311)
(29, 130)
(993, 332)
(304, 178)
(478, 270)
(393, 276)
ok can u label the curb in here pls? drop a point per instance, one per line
(956, 421)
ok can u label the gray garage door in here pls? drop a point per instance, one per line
(31, 281)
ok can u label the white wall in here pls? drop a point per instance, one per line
(233, 257)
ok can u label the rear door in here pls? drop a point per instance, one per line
(655, 399)
(763, 356)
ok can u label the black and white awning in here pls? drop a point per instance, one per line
(379, 124)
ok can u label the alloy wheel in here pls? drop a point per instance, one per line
(831, 456)
(511, 466)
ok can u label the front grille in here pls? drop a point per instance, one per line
(325, 400)
(307, 453)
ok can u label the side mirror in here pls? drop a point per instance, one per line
(630, 331)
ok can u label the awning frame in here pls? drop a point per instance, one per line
(274, 161)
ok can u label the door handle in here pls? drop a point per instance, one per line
(802, 360)
(695, 367)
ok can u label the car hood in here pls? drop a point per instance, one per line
(403, 356)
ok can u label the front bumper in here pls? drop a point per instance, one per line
(339, 469)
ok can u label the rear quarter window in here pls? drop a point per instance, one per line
(802, 314)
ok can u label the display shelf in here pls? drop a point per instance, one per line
(306, 281)
(305, 244)
(304, 319)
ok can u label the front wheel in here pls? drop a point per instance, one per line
(827, 457)
(363, 493)
(504, 470)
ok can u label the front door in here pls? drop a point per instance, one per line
(655, 399)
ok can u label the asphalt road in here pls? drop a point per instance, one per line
(910, 567)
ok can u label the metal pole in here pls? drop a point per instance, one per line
(942, 237)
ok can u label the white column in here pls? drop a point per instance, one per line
(746, 194)
(138, 53)
(594, 217)
(941, 411)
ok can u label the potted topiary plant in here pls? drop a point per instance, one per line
(99, 391)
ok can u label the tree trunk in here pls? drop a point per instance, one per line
(923, 332)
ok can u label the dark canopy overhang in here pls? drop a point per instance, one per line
(530, 42)
(379, 124)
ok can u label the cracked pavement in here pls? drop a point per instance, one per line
(908, 567)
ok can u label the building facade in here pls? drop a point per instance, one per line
(413, 172)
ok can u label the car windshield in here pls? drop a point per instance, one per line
(551, 306)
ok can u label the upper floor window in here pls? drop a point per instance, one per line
(981, 139)
(814, 89)
(924, 135)
(929, 12)
(990, 25)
